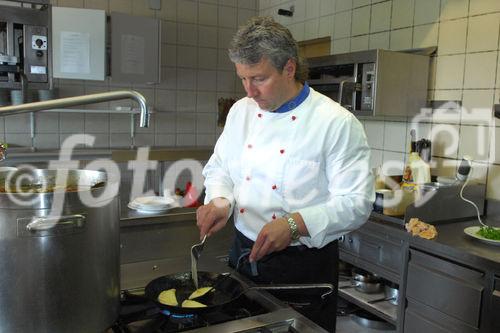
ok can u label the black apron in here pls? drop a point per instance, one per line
(295, 264)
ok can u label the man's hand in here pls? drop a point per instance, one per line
(212, 217)
(274, 236)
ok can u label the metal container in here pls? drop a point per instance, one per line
(59, 273)
(391, 291)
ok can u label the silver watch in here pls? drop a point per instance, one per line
(294, 230)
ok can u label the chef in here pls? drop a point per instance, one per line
(291, 165)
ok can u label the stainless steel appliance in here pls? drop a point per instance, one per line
(254, 311)
(25, 44)
(373, 83)
(58, 273)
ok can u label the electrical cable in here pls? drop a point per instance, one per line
(469, 201)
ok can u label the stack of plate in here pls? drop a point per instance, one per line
(152, 204)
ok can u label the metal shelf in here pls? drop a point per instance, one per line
(384, 310)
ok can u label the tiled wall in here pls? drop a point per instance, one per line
(195, 72)
(466, 68)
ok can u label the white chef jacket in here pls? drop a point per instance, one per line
(313, 160)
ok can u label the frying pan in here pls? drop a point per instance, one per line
(226, 289)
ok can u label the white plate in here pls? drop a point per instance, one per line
(153, 202)
(472, 231)
(133, 206)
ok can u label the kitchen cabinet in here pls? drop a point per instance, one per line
(495, 305)
(442, 296)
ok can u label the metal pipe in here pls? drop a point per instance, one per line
(81, 100)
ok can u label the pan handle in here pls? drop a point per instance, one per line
(298, 286)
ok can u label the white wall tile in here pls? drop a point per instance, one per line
(341, 45)
(393, 163)
(228, 17)
(379, 40)
(359, 43)
(493, 186)
(483, 6)
(186, 78)
(223, 61)
(325, 28)
(169, 55)
(474, 142)
(477, 106)
(380, 17)
(342, 5)
(299, 15)
(46, 123)
(452, 37)
(482, 34)
(248, 4)
(360, 21)
(69, 122)
(445, 139)
(342, 25)
(311, 29)
(207, 36)
(327, 7)
(165, 100)
(169, 32)
(207, 58)
(206, 80)
(451, 9)
(141, 8)
(165, 140)
(402, 13)
(187, 11)
(168, 10)
(395, 136)
(187, 34)
(401, 39)
(478, 73)
(205, 123)
(207, 14)
(96, 123)
(426, 11)
(18, 140)
(232, 3)
(244, 15)
(224, 36)
(312, 9)
(374, 133)
(495, 145)
(206, 102)
(376, 158)
(144, 140)
(184, 140)
(298, 31)
(187, 57)
(186, 101)
(204, 140)
(120, 6)
(425, 35)
(119, 123)
(46, 141)
(165, 122)
(450, 72)
(360, 3)
(186, 123)
(225, 81)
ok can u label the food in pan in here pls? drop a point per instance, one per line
(167, 297)
(200, 292)
(421, 229)
(192, 304)
(489, 232)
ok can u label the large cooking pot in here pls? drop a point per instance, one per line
(59, 273)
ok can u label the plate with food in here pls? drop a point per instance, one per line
(485, 234)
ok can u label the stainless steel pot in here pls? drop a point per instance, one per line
(59, 273)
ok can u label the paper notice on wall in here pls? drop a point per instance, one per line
(132, 55)
(75, 52)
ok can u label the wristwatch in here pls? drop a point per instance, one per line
(294, 230)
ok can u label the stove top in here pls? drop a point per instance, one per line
(254, 311)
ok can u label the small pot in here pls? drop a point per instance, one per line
(368, 287)
(391, 292)
(360, 275)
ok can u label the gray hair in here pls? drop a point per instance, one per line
(263, 37)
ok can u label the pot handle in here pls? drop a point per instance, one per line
(327, 286)
(48, 223)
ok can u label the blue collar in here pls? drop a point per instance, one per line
(293, 103)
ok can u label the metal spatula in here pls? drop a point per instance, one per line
(195, 255)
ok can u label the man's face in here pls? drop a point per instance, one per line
(267, 86)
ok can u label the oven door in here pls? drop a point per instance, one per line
(341, 91)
